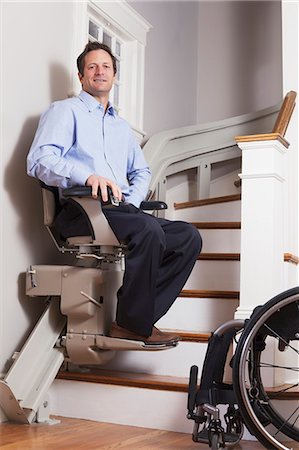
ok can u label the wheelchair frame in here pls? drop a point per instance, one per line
(250, 402)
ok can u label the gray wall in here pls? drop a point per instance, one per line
(209, 60)
(170, 64)
(239, 57)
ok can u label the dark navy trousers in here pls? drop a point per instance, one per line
(160, 256)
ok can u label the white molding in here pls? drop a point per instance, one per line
(271, 144)
(124, 16)
(132, 30)
(254, 176)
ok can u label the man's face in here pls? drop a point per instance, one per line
(98, 75)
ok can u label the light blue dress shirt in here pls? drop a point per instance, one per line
(76, 138)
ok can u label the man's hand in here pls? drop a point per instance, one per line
(96, 182)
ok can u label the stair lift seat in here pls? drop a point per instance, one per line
(81, 303)
(87, 289)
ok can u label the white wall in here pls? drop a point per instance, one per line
(36, 49)
(290, 24)
(239, 57)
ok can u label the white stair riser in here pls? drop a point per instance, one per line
(220, 241)
(164, 410)
(198, 314)
(221, 212)
(175, 362)
(125, 406)
(215, 275)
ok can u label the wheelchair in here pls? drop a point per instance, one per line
(265, 373)
(80, 300)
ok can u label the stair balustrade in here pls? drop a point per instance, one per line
(200, 146)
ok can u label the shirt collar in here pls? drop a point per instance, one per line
(93, 104)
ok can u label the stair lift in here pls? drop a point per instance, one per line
(81, 305)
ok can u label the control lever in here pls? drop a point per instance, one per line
(111, 198)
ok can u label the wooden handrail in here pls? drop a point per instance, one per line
(285, 113)
(281, 124)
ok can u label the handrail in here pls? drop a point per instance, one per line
(168, 147)
(280, 126)
(285, 113)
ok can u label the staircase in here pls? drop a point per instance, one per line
(156, 383)
(149, 389)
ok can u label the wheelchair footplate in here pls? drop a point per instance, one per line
(203, 409)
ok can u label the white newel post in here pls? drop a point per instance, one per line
(262, 220)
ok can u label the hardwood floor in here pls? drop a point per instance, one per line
(75, 434)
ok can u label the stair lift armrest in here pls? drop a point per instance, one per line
(153, 205)
(85, 191)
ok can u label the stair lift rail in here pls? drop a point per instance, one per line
(80, 303)
(265, 374)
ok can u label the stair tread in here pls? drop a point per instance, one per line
(207, 201)
(219, 256)
(217, 225)
(196, 293)
(284, 392)
(151, 381)
(193, 336)
(131, 379)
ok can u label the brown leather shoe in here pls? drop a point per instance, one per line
(156, 338)
(172, 337)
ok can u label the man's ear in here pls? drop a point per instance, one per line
(80, 77)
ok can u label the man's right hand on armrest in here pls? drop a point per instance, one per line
(97, 182)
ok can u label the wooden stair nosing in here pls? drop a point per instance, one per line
(284, 392)
(195, 293)
(219, 257)
(207, 201)
(155, 382)
(191, 336)
(217, 225)
(128, 379)
(288, 257)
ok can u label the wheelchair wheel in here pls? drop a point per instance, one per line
(266, 370)
(215, 444)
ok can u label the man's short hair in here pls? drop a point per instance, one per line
(89, 47)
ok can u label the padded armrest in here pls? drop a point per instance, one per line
(77, 191)
(153, 205)
(85, 191)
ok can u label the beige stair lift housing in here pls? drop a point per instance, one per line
(81, 305)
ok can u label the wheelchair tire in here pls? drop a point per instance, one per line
(270, 326)
(215, 441)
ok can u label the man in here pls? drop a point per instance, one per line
(82, 141)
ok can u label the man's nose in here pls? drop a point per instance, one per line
(100, 70)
